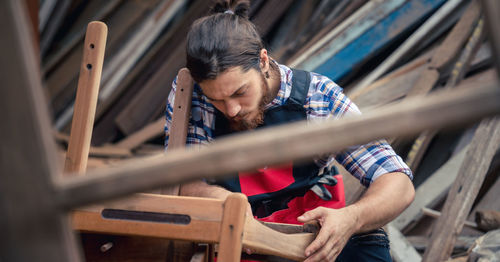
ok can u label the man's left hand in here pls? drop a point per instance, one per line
(337, 226)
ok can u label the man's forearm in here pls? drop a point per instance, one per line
(201, 189)
(384, 200)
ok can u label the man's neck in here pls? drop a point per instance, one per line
(274, 81)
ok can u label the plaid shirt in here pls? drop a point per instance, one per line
(325, 100)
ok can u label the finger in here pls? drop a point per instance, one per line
(316, 213)
(321, 239)
(334, 253)
(325, 252)
(322, 254)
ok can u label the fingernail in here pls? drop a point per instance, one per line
(301, 217)
(308, 253)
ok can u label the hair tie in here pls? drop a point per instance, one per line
(229, 12)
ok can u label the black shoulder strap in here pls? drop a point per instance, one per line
(301, 80)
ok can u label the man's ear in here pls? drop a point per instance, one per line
(264, 60)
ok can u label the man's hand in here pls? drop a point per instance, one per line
(337, 226)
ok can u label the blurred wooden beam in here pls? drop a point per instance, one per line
(32, 227)
(271, 146)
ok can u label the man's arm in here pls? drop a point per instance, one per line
(202, 189)
(384, 200)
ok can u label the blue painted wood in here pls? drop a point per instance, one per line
(378, 37)
(367, 17)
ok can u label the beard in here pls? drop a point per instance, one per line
(248, 124)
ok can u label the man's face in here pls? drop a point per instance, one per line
(240, 95)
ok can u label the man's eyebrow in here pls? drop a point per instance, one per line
(239, 89)
(210, 98)
(234, 93)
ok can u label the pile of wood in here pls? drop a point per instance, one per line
(379, 51)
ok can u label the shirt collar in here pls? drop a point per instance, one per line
(285, 86)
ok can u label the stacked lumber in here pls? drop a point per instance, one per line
(380, 52)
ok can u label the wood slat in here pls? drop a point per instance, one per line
(492, 12)
(86, 98)
(264, 240)
(457, 73)
(32, 226)
(271, 146)
(205, 217)
(231, 232)
(412, 41)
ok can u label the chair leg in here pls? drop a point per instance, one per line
(233, 221)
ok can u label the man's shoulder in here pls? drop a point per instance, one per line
(323, 88)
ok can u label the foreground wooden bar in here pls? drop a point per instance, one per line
(33, 228)
(272, 146)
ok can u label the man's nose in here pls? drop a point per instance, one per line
(232, 108)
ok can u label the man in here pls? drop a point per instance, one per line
(239, 87)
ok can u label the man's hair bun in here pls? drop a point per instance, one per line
(240, 8)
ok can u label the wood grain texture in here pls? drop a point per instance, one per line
(86, 98)
(32, 226)
(204, 226)
(492, 12)
(180, 118)
(182, 109)
(456, 39)
(271, 146)
(458, 71)
(136, 139)
(464, 190)
(264, 240)
(231, 233)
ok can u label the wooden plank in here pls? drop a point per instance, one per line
(158, 57)
(271, 146)
(54, 21)
(396, 85)
(32, 7)
(410, 43)
(428, 193)
(406, 69)
(180, 118)
(182, 109)
(140, 137)
(269, 14)
(297, 48)
(368, 15)
(86, 98)
(94, 11)
(401, 249)
(422, 242)
(264, 240)
(32, 226)
(128, 55)
(437, 214)
(199, 218)
(145, 105)
(62, 82)
(457, 37)
(231, 232)
(463, 192)
(203, 217)
(458, 72)
(491, 9)
(350, 56)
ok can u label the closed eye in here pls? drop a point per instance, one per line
(240, 92)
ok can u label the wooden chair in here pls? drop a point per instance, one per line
(165, 216)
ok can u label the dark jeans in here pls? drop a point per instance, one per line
(370, 246)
